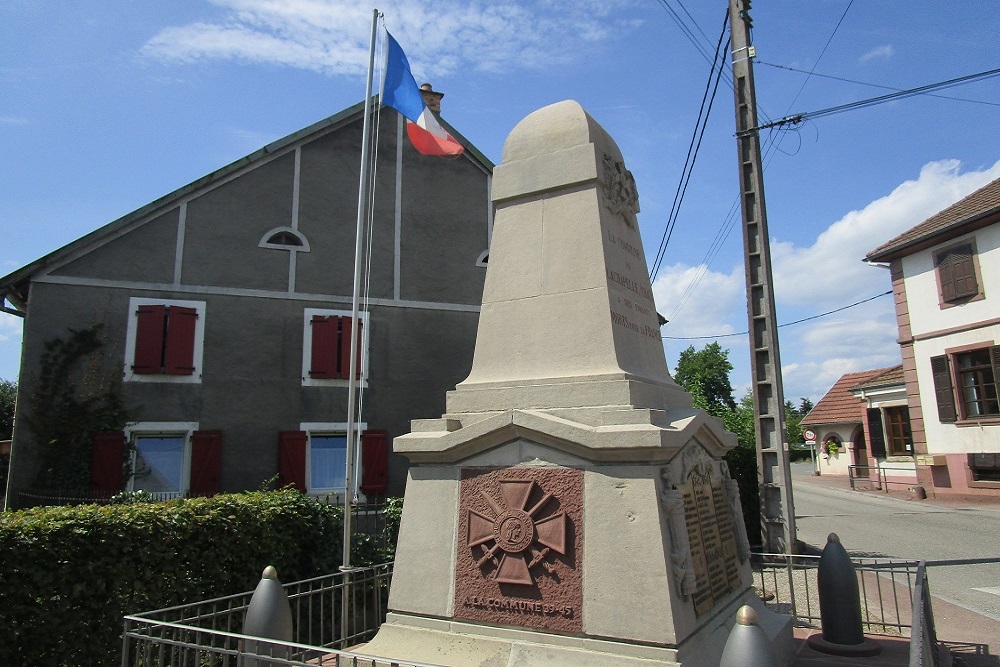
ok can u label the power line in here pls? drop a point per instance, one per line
(872, 101)
(693, 147)
(868, 83)
(786, 324)
(820, 57)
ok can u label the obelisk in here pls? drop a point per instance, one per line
(571, 507)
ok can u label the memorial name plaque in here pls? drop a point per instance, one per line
(519, 540)
(713, 544)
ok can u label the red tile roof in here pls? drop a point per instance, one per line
(981, 203)
(840, 406)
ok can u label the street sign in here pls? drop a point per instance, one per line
(809, 434)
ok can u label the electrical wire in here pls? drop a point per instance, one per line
(786, 324)
(873, 85)
(693, 147)
(872, 101)
(820, 57)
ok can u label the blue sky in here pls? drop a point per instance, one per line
(110, 104)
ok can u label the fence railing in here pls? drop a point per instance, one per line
(880, 478)
(209, 633)
(923, 635)
(788, 585)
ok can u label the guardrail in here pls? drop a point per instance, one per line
(209, 633)
(879, 479)
(923, 635)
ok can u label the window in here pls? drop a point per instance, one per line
(897, 427)
(956, 273)
(284, 238)
(977, 384)
(164, 340)
(985, 467)
(174, 459)
(326, 348)
(314, 459)
(970, 376)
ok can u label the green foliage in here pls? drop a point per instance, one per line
(793, 419)
(69, 574)
(742, 462)
(72, 402)
(8, 396)
(705, 374)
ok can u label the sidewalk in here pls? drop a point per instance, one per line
(972, 638)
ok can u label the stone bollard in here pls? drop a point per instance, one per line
(269, 615)
(840, 605)
(747, 645)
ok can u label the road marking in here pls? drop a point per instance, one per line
(994, 590)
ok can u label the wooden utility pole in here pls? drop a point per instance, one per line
(777, 513)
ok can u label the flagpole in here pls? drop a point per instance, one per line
(352, 379)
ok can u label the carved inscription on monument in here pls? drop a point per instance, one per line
(713, 546)
(519, 538)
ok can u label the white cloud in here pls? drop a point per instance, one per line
(13, 120)
(331, 36)
(885, 51)
(833, 264)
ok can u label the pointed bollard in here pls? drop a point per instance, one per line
(747, 645)
(840, 605)
(269, 615)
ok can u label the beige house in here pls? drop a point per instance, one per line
(946, 281)
(862, 428)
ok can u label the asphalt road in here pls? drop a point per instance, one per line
(872, 524)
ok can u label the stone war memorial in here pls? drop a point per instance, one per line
(571, 508)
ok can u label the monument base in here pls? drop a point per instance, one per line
(461, 644)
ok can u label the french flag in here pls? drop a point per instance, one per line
(401, 93)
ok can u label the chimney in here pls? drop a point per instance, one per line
(431, 98)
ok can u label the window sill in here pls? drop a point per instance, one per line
(984, 485)
(899, 458)
(984, 421)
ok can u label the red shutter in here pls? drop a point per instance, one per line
(179, 357)
(149, 339)
(206, 462)
(374, 462)
(324, 347)
(345, 348)
(106, 459)
(292, 459)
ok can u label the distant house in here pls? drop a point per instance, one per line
(862, 421)
(946, 280)
(225, 311)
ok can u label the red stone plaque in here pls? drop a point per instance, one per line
(519, 540)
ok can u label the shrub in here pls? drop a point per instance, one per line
(69, 574)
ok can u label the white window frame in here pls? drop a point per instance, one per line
(153, 429)
(307, 380)
(328, 429)
(199, 341)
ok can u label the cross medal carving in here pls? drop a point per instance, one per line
(508, 538)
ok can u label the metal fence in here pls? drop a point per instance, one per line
(209, 633)
(879, 477)
(788, 585)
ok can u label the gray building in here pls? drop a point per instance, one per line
(223, 311)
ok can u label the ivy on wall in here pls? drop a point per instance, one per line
(75, 398)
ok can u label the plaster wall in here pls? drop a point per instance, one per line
(952, 438)
(926, 313)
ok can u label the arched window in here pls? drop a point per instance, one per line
(284, 238)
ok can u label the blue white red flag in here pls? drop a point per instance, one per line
(401, 93)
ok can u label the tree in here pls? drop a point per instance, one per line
(793, 419)
(705, 375)
(8, 395)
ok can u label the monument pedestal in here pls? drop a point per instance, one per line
(571, 507)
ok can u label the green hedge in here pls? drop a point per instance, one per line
(69, 574)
